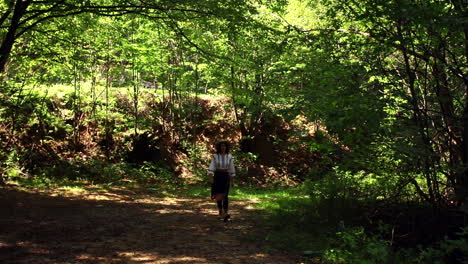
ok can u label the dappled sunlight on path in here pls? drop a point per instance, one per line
(117, 227)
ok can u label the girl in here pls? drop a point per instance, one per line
(221, 173)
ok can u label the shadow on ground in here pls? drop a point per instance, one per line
(124, 227)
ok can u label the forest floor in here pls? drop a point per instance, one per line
(125, 225)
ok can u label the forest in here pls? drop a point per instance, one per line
(347, 121)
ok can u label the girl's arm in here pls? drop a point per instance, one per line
(212, 169)
(232, 171)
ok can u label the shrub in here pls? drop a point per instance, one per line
(448, 251)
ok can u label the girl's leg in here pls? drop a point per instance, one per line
(226, 199)
(220, 207)
(226, 204)
(226, 208)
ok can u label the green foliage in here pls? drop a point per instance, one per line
(11, 165)
(95, 172)
(448, 251)
(330, 230)
(343, 188)
(244, 160)
(354, 246)
(196, 160)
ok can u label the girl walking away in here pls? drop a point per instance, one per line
(222, 173)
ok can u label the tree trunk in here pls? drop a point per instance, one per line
(233, 94)
(419, 119)
(10, 37)
(465, 111)
(461, 187)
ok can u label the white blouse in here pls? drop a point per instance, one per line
(222, 162)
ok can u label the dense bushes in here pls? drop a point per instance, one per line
(59, 125)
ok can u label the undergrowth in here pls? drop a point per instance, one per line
(297, 222)
(95, 173)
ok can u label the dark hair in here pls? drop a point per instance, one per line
(218, 146)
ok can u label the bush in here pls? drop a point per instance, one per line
(355, 246)
(448, 251)
(196, 161)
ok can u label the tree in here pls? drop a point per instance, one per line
(409, 56)
(18, 17)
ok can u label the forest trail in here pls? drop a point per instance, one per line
(125, 226)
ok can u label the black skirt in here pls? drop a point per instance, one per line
(221, 183)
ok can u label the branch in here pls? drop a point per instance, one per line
(420, 191)
(457, 71)
(37, 13)
(175, 26)
(5, 15)
(142, 7)
(57, 14)
(109, 11)
(24, 30)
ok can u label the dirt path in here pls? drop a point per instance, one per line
(124, 227)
